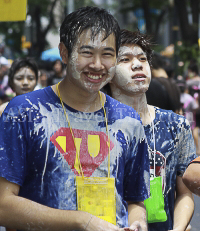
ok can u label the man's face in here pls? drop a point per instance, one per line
(133, 73)
(92, 63)
(24, 81)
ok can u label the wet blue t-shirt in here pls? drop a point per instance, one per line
(37, 150)
(174, 150)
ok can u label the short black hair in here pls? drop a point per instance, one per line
(142, 40)
(19, 63)
(193, 67)
(93, 18)
(158, 61)
(61, 63)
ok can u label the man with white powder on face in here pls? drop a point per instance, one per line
(67, 157)
(170, 143)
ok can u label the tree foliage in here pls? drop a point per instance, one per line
(156, 11)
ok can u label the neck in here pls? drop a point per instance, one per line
(77, 98)
(137, 101)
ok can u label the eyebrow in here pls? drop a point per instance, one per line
(19, 75)
(86, 47)
(90, 47)
(131, 53)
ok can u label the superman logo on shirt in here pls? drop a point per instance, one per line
(91, 149)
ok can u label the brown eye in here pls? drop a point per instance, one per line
(108, 54)
(87, 52)
(143, 59)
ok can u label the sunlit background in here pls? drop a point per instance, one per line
(174, 25)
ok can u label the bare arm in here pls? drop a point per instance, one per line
(20, 213)
(184, 206)
(137, 216)
(191, 178)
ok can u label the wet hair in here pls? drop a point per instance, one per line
(93, 18)
(19, 63)
(142, 40)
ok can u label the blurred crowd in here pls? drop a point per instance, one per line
(167, 91)
(177, 93)
(49, 73)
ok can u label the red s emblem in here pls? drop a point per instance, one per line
(91, 147)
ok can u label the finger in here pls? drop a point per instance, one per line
(135, 226)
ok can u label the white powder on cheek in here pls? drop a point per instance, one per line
(122, 76)
(148, 69)
(73, 63)
(111, 73)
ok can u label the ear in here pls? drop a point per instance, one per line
(63, 52)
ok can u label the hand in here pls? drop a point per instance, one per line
(136, 226)
(97, 224)
(177, 229)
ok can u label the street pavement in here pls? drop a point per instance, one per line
(195, 222)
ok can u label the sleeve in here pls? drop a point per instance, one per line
(187, 150)
(12, 146)
(197, 160)
(137, 177)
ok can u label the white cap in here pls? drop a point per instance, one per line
(4, 61)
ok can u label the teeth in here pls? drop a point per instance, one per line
(136, 77)
(95, 76)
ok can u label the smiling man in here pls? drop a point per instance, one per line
(67, 156)
(169, 136)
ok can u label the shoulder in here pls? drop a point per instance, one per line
(120, 109)
(172, 119)
(2, 107)
(23, 100)
(197, 160)
(30, 101)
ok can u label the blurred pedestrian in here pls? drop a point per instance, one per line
(158, 96)
(189, 103)
(193, 77)
(23, 75)
(159, 72)
(5, 91)
(58, 73)
(193, 83)
(42, 80)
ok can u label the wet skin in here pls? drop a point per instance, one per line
(133, 72)
(92, 62)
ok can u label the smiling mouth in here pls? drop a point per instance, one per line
(94, 76)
